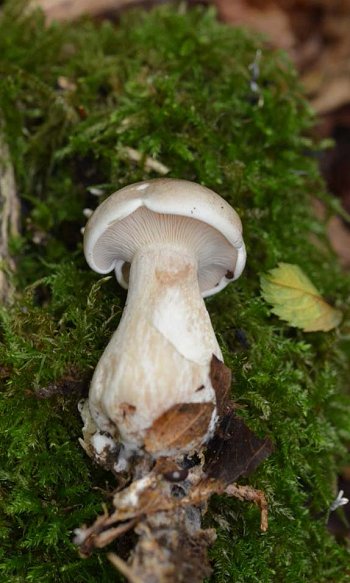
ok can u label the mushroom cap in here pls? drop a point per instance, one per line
(167, 210)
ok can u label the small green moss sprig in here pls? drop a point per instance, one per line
(174, 85)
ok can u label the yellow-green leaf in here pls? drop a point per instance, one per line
(294, 298)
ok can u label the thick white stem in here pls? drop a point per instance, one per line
(160, 354)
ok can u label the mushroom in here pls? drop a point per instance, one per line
(171, 243)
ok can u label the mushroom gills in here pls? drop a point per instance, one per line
(215, 255)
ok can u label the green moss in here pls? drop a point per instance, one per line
(175, 86)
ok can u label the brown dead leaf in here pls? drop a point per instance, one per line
(339, 236)
(220, 376)
(234, 450)
(179, 427)
(332, 94)
(316, 35)
(269, 19)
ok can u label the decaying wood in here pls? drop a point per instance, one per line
(9, 217)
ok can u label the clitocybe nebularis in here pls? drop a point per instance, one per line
(171, 243)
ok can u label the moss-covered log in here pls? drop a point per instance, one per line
(178, 88)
